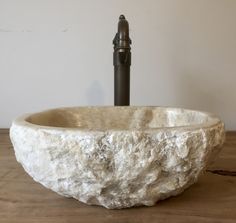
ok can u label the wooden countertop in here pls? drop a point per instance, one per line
(212, 199)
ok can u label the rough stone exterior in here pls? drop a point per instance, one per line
(115, 167)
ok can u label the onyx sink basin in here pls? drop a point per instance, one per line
(117, 157)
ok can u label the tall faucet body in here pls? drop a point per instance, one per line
(122, 62)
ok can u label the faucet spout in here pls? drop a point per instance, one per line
(122, 62)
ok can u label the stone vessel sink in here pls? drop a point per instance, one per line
(117, 157)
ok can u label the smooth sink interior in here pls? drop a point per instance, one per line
(96, 118)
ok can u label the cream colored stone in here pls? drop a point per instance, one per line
(117, 157)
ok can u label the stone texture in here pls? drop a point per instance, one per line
(117, 157)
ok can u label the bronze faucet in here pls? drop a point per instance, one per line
(122, 62)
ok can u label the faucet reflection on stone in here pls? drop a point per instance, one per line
(122, 62)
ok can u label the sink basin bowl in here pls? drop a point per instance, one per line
(117, 157)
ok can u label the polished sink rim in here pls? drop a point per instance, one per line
(212, 121)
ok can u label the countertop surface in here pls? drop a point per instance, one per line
(211, 199)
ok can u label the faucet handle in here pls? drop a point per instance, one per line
(122, 40)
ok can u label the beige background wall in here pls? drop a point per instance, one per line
(59, 53)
